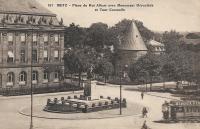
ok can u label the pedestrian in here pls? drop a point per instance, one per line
(144, 112)
(142, 95)
(144, 126)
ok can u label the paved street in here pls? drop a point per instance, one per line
(10, 118)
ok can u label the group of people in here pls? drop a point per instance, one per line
(144, 113)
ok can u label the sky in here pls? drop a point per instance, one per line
(165, 15)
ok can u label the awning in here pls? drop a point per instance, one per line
(10, 54)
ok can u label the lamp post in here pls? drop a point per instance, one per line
(122, 71)
(120, 100)
(31, 122)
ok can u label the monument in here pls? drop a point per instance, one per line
(84, 103)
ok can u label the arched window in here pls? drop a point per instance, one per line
(34, 77)
(10, 79)
(22, 78)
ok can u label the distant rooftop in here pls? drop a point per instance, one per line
(191, 38)
(155, 43)
(23, 7)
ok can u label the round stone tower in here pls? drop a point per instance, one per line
(131, 46)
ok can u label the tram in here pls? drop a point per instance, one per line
(179, 110)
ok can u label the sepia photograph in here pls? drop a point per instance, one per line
(99, 64)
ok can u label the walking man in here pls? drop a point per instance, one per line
(144, 112)
(144, 126)
(142, 95)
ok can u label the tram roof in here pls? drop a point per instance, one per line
(185, 103)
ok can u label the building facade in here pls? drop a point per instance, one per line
(156, 47)
(31, 40)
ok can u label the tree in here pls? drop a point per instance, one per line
(105, 68)
(75, 36)
(146, 68)
(171, 40)
(122, 27)
(98, 36)
(79, 61)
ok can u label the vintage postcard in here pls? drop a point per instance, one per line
(99, 64)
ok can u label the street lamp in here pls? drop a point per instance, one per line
(31, 122)
(120, 100)
(122, 71)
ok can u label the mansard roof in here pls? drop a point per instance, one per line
(23, 7)
(22, 13)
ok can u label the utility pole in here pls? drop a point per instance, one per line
(31, 122)
(120, 100)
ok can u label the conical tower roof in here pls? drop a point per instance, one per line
(132, 40)
(23, 7)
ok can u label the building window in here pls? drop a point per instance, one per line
(34, 56)
(10, 79)
(45, 55)
(22, 56)
(34, 77)
(22, 78)
(56, 38)
(10, 38)
(45, 38)
(46, 77)
(56, 77)
(22, 38)
(10, 58)
(56, 54)
(35, 39)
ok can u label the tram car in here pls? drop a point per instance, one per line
(179, 110)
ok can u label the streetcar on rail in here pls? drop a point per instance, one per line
(180, 110)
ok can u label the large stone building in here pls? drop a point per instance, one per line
(31, 39)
